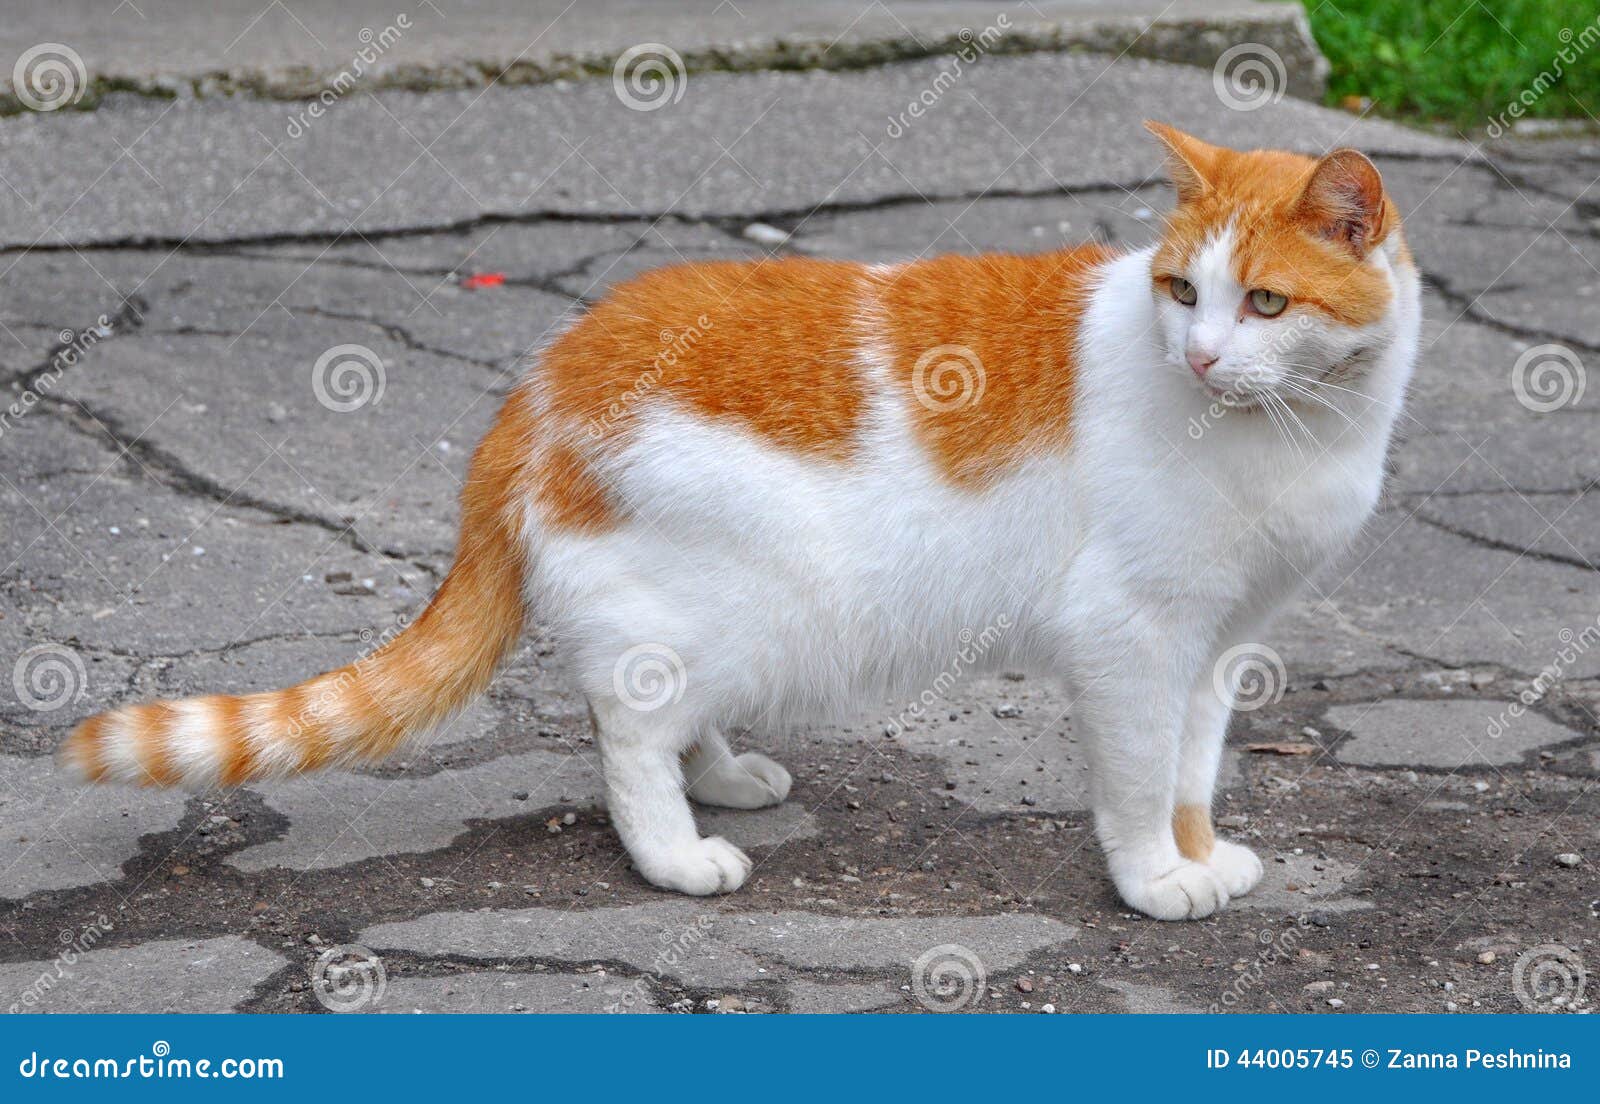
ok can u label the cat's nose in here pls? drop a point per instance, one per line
(1201, 362)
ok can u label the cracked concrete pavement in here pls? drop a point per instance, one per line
(185, 512)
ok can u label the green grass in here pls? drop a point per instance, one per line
(1462, 62)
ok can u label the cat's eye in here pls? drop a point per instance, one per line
(1268, 304)
(1183, 291)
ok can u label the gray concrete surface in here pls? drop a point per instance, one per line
(182, 514)
(297, 48)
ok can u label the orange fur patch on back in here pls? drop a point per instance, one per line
(984, 349)
(770, 346)
(1191, 827)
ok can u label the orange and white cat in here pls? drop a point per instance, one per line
(784, 487)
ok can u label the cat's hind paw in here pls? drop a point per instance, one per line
(1235, 866)
(707, 866)
(748, 781)
(1191, 891)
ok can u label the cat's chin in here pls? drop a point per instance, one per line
(1231, 398)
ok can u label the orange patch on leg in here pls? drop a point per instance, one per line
(1191, 827)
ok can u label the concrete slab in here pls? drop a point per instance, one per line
(491, 992)
(341, 817)
(60, 834)
(1447, 734)
(169, 975)
(235, 46)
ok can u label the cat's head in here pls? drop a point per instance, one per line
(1276, 273)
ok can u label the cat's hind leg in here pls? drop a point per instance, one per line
(641, 751)
(716, 776)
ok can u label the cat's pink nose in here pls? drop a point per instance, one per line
(1201, 363)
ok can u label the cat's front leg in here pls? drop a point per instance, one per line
(1132, 711)
(1199, 762)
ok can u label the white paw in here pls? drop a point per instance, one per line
(1192, 891)
(1235, 866)
(748, 781)
(710, 865)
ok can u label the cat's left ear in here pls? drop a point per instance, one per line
(1191, 163)
(1343, 201)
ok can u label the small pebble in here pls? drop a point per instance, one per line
(1569, 858)
(1024, 985)
(1335, 1002)
(763, 234)
(1486, 957)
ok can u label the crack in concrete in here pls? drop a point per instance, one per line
(1502, 546)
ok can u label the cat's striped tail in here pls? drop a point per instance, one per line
(361, 712)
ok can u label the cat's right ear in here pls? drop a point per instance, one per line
(1190, 162)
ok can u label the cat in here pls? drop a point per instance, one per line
(747, 493)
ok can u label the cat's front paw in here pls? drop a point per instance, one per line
(1191, 891)
(1235, 866)
(710, 865)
